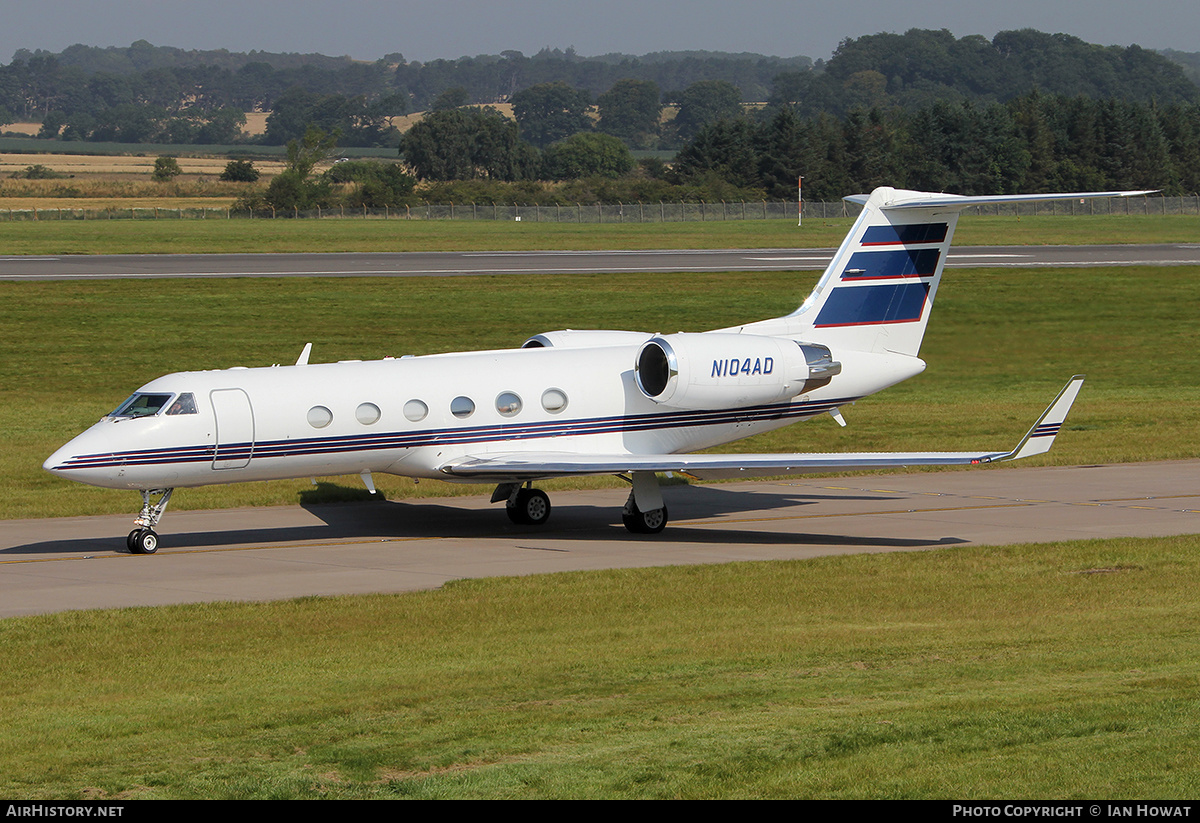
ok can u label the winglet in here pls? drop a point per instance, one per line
(302, 360)
(1040, 438)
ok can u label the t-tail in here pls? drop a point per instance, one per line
(877, 292)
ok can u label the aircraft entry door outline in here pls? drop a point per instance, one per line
(235, 429)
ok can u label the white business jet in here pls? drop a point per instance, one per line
(566, 403)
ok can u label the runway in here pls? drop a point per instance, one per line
(272, 553)
(450, 264)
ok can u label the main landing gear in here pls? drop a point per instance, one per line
(639, 522)
(143, 539)
(644, 511)
(528, 507)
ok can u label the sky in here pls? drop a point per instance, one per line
(369, 29)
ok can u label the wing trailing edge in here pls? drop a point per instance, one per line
(520, 466)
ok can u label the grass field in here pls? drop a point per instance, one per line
(1051, 671)
(51, 236)
(1047, 671)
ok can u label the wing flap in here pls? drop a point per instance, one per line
(520, 466)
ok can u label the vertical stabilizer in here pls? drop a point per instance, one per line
(878, 289)
(877, 292)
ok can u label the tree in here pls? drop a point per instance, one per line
(166, 169)
(452, 98)
(294, 189)
(551, 111)
(315, 147)
(360, 123)
(587, 155)
(631, 110)
(379, 184)
(703, 103)
(240, 171)
(465, 144)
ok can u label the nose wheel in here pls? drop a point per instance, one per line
(143, 539)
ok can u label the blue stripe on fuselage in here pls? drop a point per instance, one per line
(452, 436)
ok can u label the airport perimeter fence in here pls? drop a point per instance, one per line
(606, 212)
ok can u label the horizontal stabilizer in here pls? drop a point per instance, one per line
(902, 199)
(519, 466)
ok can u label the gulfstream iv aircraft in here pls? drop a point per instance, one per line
(567, 402)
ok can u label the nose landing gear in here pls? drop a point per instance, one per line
(143, 539)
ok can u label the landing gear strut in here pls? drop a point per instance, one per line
(143, 539)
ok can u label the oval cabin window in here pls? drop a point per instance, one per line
(319, 417)
(554, 400)
(508, 404)
(415, 410)
(367, 413)
(462, 407)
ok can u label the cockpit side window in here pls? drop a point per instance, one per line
(142, 405)
(184, 404)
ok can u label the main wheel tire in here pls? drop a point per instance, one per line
(532, 508)
(651, 522)
(146, 542)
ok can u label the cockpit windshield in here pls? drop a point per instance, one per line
(142, 405)
(184, 404)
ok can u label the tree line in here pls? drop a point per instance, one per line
(146, 93)
(1034, 143)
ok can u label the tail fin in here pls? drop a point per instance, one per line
(877, 292)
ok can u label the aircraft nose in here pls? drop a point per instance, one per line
(87, 458)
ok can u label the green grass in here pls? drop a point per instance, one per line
(1050, 671)
(1000, 344)
(167, 236)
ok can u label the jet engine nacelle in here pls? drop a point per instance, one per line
(725, 370)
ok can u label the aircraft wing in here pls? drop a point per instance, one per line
(517, 466)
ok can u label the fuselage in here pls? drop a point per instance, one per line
(410, 416)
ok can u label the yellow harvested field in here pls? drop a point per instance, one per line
(50, 204)
(256, 122)
(83, 164)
